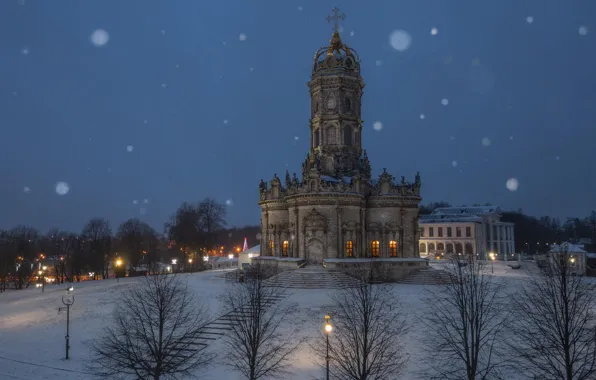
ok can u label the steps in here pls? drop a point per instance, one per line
(427, 276)
(312, 278)
(222, 325)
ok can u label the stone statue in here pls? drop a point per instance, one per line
(288, 180)
(262, 186)
(295, 181)
(365, 165)
(403, 180)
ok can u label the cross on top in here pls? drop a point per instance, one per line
(335, 18)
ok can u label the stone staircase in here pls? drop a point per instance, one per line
(222, 325)
(427, 276)
(313, 278)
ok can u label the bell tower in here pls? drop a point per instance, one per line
(336, 93)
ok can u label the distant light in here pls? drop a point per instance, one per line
(169, 268)
(205, 258)
(328, 328)
(229, 202)
(230, 256)
(512, 184)
(250, 255)
(422, 117)
(377, 125)
(174, 261)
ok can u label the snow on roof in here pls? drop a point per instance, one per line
(437, 218)
(571, 248)
(255, 249)
(475, 210)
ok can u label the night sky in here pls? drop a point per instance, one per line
(139, 105)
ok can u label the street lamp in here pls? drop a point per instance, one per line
(117, 271)
(68, 300)
(492, 261)
(190, 262)
(43, 282)
(328, 329)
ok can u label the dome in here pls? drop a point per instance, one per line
(337, 57)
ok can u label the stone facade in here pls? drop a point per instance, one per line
(336, 210)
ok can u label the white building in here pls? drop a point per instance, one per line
(470, 230)
(245, 257)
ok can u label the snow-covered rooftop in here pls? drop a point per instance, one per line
(438, 218)
(475, 210)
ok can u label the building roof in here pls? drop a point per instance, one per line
(255, 249)
(571, 248)
(439, 218)
(475, 210)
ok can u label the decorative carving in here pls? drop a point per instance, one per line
(288, 180)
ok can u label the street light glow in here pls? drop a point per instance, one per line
(118, 262)
(230, 256)
(174, 261)
(328, 328)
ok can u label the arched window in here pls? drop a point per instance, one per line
(317, 138)
(347, 135)
(357, 138)
(284, 248)
(347, 104)
(440, 247)
(393, 248)
(458, 248)
(422, 248)
(431, 247)
(349, 248)
(374, 248)
(271, 246)
(331, 135)
(449, 248)
(469, 249)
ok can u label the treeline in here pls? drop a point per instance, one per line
(195, 230)
(535, 235)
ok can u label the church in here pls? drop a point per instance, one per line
(337, 209)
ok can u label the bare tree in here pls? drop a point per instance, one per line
(134, 237)
(256, 347)
(554, 332)
(369, 328)
(212, 219)
(22, 242)
(155, 333)
(59, 247)
(97, 238)
(464, 325)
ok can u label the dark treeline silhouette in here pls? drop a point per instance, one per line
(535, 235)
(193, 231)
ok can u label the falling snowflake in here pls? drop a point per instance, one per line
(422, 117)
(251, 69)
(377, 125)
(164, 85)
(145, 121)
(529, 19)
(512, 184)
(511, 138)
(145, 201)
(129, 148)
(62, 188)
(163, 31)
(352, 33)
(454, 163)
(485, 141)
(451, 138)
(557, 158)
(296, 138)
(26, 189)
(242, 37)
(177, 66)
(109, 170)
(229, 202)
(99, 37)
(378, 62)
(582, 30)
(400, 40)
(445, 101)
(300, 8)
(143, 211)
(135, 202)
(21, 2)
(25, 51)
(434, 31)
(258, 236)
(14, 93)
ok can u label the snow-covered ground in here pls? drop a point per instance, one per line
(32, 331)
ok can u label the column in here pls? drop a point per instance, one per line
(484, 237)
(340, 240)
(491, 237)
(362, 250)
(296, 242)
(499, 240)
(512, 239)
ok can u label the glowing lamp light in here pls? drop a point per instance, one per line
(190, 261)
(44, 267)
(205, 258)
(118, 262)
(572, 260)
(230, 256)
(169, 268)
(70, 288)
(39, 273)
(174, 261)
(328, 328)
(250, 255)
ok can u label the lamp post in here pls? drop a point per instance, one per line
(328, 329)
(492, 261)
(68, 300)
(190, 263)
(118, 265)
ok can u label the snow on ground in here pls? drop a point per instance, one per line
(32, 344)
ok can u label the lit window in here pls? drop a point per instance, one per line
(349, 248)
(393, 248)
(271, 246)
(374, 248)
(284, 248)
